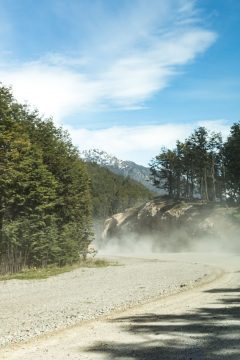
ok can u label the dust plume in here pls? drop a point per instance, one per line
(216, 230)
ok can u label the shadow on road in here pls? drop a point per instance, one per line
(211, 332)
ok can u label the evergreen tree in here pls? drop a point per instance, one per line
(45, 207)
(193, 168)
(231, 154)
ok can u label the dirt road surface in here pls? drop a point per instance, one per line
(198, 323)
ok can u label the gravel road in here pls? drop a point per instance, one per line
(35, 307)
(177, 307)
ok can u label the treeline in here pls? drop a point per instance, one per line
(113, 193)
(203, 166)
(45, 205)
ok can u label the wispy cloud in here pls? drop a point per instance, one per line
(140, 143)
(136, 53)
(134, 79)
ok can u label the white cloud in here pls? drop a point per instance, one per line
(136, 55)
(52, 90)
(140, 143)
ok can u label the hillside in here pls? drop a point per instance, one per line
(113, 193)
(125, 168)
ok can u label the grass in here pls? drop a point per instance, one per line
(52, 270)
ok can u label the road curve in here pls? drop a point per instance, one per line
(200, 323)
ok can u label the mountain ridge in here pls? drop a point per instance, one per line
(126, 168)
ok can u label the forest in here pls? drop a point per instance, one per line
(45, 207)
(48, 195)
(113, 193)
(202, 167)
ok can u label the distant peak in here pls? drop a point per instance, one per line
(101, 157)
(126, 168)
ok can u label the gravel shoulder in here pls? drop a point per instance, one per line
(36, 307)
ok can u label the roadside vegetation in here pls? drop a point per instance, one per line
(45, 204)
(53, 270)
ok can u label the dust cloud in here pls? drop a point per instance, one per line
(216, 234)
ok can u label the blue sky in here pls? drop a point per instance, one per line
(125, 76)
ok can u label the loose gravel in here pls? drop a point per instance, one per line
(29, 308)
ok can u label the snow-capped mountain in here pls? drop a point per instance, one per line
(126, 168)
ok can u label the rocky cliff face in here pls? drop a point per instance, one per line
(126, 168)
(176, 225)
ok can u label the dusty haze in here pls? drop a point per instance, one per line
(216, 233)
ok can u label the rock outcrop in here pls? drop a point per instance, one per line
(175, 225)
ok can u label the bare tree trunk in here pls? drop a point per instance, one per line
(213, 180)
(187, 195)
(224, 182)
(201, 188)
(205, 184)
